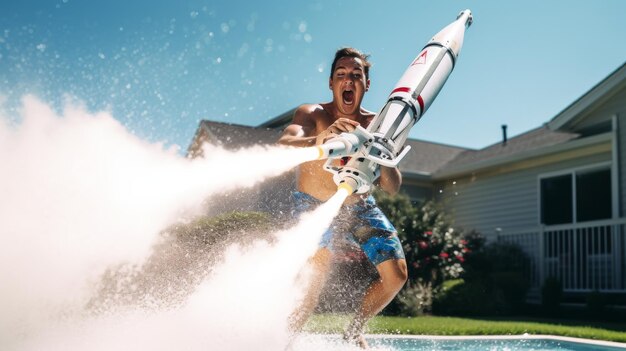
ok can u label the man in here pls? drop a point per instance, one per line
(360, 222)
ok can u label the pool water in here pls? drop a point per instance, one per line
(520, 344)
(316, 342)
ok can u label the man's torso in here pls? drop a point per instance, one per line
(311, 176)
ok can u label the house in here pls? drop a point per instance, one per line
(557, 190)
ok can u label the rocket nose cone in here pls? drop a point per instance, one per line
(466, 16)
(452, 35)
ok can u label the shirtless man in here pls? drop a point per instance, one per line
(360, 222)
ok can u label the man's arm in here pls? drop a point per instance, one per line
(301, 131)
(390, 180)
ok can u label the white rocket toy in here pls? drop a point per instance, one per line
(382, 142)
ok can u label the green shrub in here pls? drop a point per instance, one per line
(434, 250)
(415, 299)
(513, 285)
(494, 283)
(551, 295)
(596, 304)
(465, 298)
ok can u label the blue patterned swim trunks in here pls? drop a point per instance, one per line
(357, 226)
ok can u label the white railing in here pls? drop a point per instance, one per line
(583, 256)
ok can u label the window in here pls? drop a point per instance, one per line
(556, 200)
(593, 195)
(579, 196)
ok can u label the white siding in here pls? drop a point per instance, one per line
(508, 201)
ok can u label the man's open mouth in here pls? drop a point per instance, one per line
(348, 97)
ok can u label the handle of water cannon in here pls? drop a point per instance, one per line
(351, 142)
(395, 161)
(362, 131)
(363, 135)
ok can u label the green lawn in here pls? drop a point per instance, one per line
(430, 325)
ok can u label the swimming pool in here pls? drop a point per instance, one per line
(311, 342)
(507, 343)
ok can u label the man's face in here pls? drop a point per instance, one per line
(349, 84)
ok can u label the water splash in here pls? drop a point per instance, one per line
(80, 194)
(244, 305)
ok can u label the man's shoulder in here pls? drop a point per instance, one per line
(366, 117)
(311, 112)
(311, 109)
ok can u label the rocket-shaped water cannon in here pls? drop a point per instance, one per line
(382, 142)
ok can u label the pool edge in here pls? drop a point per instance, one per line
(502, 337)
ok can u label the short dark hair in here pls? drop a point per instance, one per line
(352, 52)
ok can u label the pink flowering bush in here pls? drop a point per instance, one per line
(434, 250)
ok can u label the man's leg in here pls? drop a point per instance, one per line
(320, 265)
(393, 275)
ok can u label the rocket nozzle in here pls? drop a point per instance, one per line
(350, 185)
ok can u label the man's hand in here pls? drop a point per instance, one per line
(342, 125)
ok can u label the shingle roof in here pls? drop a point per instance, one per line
(230, 136)
(280, 121)
(234, 136)
(534, 139)
(427, 157)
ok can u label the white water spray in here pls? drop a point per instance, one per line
(80, 193)
(244, 305)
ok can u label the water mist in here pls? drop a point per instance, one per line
(80, 194)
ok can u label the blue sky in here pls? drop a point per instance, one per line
(162, 66)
